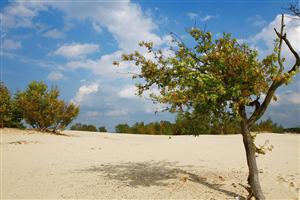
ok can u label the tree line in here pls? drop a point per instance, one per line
(37, 106)
(180, 127)
(87, 127)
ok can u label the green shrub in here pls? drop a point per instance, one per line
(122, 128)
(84, 127)
(42, 109)
(10, 116)
(102, 129)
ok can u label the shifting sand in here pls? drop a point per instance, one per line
(106, 166)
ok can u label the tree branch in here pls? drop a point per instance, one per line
(255, 103)
(283, 37)
(280, 45)
(276, 83)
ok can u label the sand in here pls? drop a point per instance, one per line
(107, 166)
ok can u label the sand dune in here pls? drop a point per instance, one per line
(101, 165)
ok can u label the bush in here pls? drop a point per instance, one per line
(292, 130)
(42, 109)
(10, 116)
(268, 126)
(102, 129)
(84, 127)
(122, 128)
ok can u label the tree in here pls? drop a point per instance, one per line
(42, 109)
(122, 128)
(102, 129)
(217, 74)
(294, 9)
(84, 127)
(9, 114)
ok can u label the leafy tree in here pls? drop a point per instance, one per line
(122, 128)
(268, 126)
(292, 130)
(84, 127)
(217, 74)
(42, 109)
(9, 114)
(102, 129)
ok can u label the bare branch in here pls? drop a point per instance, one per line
(280, 45)
(283, 37)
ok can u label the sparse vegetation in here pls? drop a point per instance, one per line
(42, 109)
(102, 129)
(84, 127)
(10, 116)
(219, 75)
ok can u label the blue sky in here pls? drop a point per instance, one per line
(73, 44)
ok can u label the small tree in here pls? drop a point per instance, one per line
(122, 128)
(220, 75)
(42, 109)
(9, 114)
(102, 129)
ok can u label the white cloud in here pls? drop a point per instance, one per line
(125, 20)
(75, 50)
(97, 27)
(11, 44)
(117, 112)
(55, 76)
(257, 21)
(192, 15)
(128, 92)
(287, 98)
(267, 36)
(206, 18)
(20, 14)
(54, 34)
(84, 91)
(93, 114)
(294, 98)
(104, 66)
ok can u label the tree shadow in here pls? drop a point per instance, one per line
(152, 173)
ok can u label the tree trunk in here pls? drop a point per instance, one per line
(253, 179)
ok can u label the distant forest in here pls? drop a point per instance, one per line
(182, 127)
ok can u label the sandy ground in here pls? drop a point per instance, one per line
(106, 166)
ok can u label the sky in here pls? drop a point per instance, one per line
(72, 45)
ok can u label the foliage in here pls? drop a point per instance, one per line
(267, 126)
(219, 75)
(84, 127)
(42, 109)
(122, 128)
(10, 116)
(292, 130)
(102, 129)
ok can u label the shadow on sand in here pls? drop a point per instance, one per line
(152, 173)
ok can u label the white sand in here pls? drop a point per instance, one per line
(100, 165)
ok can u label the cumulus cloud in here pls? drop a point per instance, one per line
(54, 34)
(55, 76)
(117, 112)
(11, 44)
(104, 66)
(20, 14)
(75, 50)
(128, 92)
(84, 91)
(289, 97)
(267, 37)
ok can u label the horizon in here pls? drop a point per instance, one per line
(72, 45)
